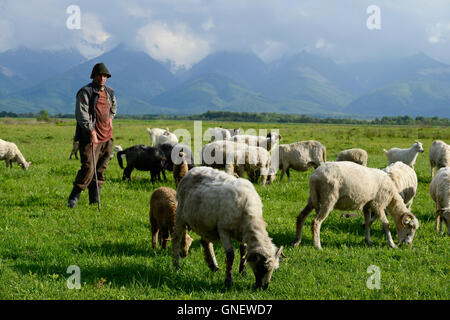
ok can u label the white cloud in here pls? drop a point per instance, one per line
(440, 33)
(208, 24)
(271, 50)
(176, 43)
(92, 38)
(6, 36)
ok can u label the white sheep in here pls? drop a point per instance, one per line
(218, 153)
(258, 141)
(10, 153)
(439, 155)
(355, 155)
(220, 207)
(155, 133)
(405, 180)
(301, 156)
(256, 161)
(346, 185)
(166, 138)
(407, 156)
(223, 134)
(440, 193)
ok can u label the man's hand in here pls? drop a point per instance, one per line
(94, 138)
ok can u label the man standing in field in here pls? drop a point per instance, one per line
(94, 111)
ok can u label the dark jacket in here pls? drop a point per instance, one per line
(87, 98)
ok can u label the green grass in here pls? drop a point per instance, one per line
(40, 237)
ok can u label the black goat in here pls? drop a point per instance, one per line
(171, 152)
(143, 158)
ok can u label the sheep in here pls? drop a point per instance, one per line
(180, 169)
(440, 193)
(439, 155)
(223, 134)
(355, 155)
(75, 149)
(301, 156)
(166, 137)
(218, 206)
(171, 153)
(346, 185)
(255, 161)
(259, 141)
(154, 133)
(163, 205)
(218, 153)
(405, 180)
(407, 156)
(143, 158)
(10, 153)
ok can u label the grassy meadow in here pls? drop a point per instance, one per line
(40, 237)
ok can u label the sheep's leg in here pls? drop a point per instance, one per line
(164, 237)
(367, 223)
(324, 210)
(229, 253)
(243, 253)
(208, 252)
(155, 231)
(301, 221)
(382, 215)
(438, 219)
(179, 232)
(127, 173)
(288, 175)
(283, 170)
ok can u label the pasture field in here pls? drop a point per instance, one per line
(40, 237)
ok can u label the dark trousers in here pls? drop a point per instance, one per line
(85, 175)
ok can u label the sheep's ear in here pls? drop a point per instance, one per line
(279, 255)
(408, 219)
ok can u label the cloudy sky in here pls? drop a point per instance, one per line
(185, 31)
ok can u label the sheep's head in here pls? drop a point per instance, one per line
(25, 165)
(407, 228)
(185, 245)
(445, 215)
(263, 267)
(418, 147)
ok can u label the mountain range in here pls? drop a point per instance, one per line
(304, 83)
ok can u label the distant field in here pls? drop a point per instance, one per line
(40, 237)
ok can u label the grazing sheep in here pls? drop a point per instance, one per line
(301, 156)
(439, 155)
(171, 152)
(75, 149)
(166, 138)
(405, 180)
(407, 156)
(143, 158)
(10, 153)
(163, 206)
(218, 153)
(223, 134)
(218, 206)
(440, 193)
(253, 160)
(355, 155)
(180, 169)
(346, 185)
(155, 133)
(258, 141)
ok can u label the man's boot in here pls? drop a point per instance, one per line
(74, 196)
(93, 196)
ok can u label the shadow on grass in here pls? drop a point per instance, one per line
(130, 275)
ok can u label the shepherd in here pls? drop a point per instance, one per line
(95, 109)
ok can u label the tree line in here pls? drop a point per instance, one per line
(256, 117)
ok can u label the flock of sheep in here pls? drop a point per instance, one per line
(223, 205)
